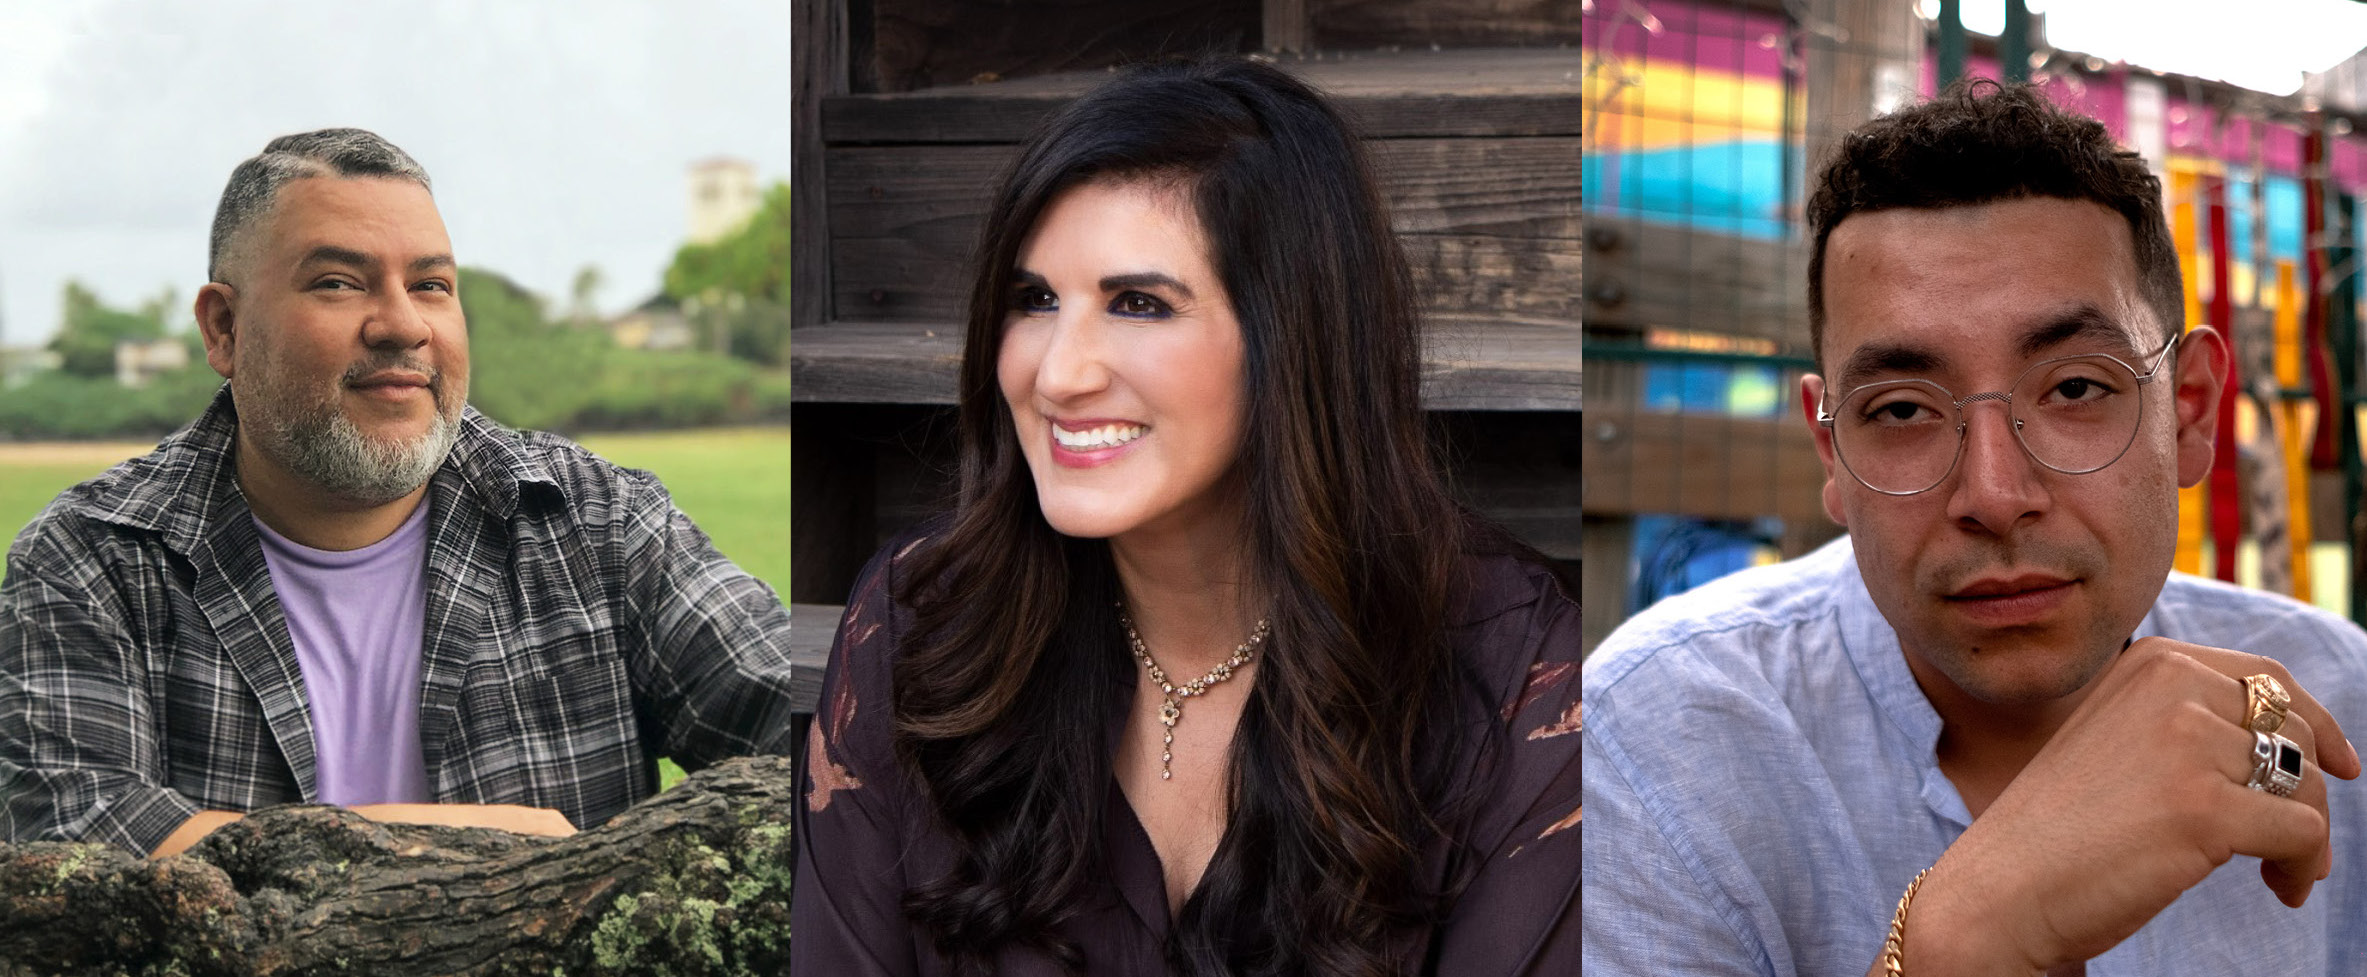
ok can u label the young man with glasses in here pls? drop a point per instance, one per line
(1989, 732)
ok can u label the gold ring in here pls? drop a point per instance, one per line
(2265, 702)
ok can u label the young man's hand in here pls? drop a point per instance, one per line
(2139, 797)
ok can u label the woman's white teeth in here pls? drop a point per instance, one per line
(1105, 436)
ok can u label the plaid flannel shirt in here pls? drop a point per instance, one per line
(578, 627)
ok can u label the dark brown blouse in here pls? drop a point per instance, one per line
(863, 835)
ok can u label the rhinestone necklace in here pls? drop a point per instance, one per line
(1171, 711)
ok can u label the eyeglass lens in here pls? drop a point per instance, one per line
(2074, 415)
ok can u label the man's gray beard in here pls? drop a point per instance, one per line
(322, 446)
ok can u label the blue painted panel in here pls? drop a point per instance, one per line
(1735, 188)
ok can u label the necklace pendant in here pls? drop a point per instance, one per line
(1171, 710)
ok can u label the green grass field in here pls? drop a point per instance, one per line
(26, 487)
(33, 474)
(733, 482)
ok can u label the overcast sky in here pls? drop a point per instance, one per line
(2263, 45)
(558, 133)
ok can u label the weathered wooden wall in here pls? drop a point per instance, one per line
(1490, 225)
(925, 43)
(907, 45)
(1452, 23)
(1478, 149)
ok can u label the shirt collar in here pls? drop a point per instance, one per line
(1873, 648)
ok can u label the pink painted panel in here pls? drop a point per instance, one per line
(1710, 38)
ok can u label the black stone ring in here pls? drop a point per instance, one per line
(2276, 765)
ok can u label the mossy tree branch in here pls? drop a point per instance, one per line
(694, 881)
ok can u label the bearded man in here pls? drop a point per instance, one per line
(342, 585)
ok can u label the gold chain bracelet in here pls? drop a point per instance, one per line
(1894, 949)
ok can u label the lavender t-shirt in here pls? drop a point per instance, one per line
(357, 618)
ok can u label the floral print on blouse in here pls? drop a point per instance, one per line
(863, 836)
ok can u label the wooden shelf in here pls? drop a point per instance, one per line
(1389, 94)
(1488, 224)
(811, 628)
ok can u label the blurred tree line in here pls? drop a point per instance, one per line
(735, 291)
(528, 369)
(81, 398)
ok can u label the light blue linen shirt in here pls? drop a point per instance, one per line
(1762, 781)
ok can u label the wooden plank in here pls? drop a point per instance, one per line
(1500, 187)
(963, 116)
(819, 53)
(812, 628)
(1494, 364)
(1388, 94)
(1504, 187)
(901, 278)
(929, 193)
(1482, 274)
(1474, 363)
(920, 43)
(1285, 25)
(1640, 275)
(1367, 23)
(875, 363)
(1701, 465)
(1610, 546)
(1490, 226)
(1521, 471)
(832, 503)
(923, 278)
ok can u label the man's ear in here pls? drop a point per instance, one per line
(2198, 383)
(1812, 394)
(217, 321)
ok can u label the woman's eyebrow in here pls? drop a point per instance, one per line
(1145, 279)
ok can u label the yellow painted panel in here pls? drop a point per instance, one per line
(1676, 92)
(1624, 132)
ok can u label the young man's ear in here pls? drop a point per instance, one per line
(2198, 381)
(1812, 395)
(217, 322)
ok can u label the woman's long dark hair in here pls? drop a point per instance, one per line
(1017, 668)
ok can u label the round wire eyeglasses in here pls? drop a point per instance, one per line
(2073, 414)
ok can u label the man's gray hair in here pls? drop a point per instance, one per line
(255, 184)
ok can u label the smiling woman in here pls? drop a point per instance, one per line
(1204, 673)
(1103, 364)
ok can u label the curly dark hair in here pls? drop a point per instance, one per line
(1981, 142)
(1016, 663)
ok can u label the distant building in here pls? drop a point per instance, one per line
(19, 363)
(657, 324)
(136, 363)
(723, 195)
